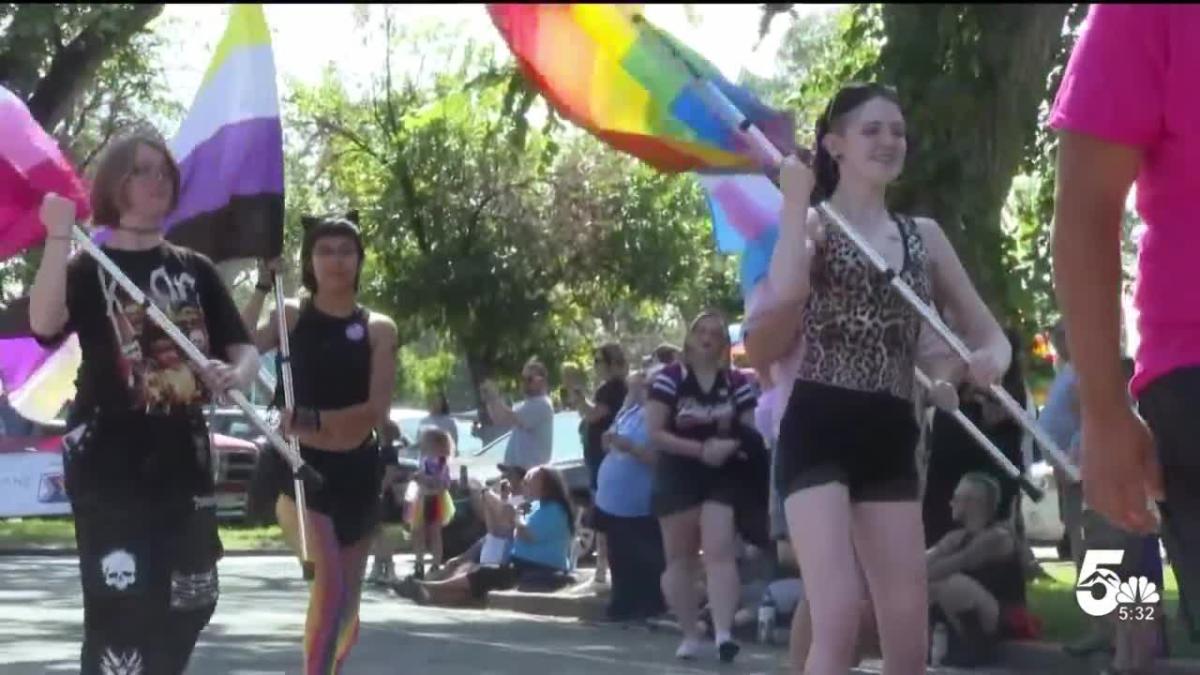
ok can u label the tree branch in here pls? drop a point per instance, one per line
(73, 67)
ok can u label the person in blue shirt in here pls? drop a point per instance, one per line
(540, 554)
(1060, 419)
(623, 510)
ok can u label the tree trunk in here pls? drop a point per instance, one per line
(71, 65)
(971, 78)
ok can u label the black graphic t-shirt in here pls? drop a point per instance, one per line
(697, 414)
(129, 363)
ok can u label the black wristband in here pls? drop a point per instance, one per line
(306, 419)
(265, 288)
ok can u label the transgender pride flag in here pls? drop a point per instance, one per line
(745, 212)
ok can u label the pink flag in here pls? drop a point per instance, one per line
(31, 165)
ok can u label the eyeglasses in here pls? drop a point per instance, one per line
(330, 251)
(159, 173)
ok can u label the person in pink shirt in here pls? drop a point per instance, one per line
(1128, 110)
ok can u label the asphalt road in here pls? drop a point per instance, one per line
(256, 631)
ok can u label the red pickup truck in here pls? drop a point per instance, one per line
(234, 463)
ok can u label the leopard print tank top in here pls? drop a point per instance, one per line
(858, 331)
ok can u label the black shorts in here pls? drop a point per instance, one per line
(864, 440)
(593, 460)
(682, 483)
(350, 493)
(1169, 405)
(528, 575)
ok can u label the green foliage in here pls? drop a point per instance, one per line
(108, 89)
(494, 231)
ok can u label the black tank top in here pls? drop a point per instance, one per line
(331, 359)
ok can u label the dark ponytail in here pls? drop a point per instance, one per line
(847, 100)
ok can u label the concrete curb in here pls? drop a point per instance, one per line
(1024, 656)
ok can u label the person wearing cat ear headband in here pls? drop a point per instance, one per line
(343, 359)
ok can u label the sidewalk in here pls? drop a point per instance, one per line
(1026, 656)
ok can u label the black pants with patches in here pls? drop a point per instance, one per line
(149, 587)
(148, 546)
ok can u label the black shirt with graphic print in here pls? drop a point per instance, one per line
(129, 364)
(697, 414)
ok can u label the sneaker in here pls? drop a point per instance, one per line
(727, 649)
(689, 649)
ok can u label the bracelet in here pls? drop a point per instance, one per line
(307, 419)
(264, 288)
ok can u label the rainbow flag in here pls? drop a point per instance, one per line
(607, 69)
(230, 150)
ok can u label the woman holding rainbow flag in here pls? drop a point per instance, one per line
(847, 440)
(344, 366)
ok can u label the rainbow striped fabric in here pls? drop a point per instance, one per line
(609, 70)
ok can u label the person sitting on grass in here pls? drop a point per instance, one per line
(514, 478)
(540, 552)
(975, 575)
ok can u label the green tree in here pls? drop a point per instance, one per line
(51, 53)
(498, 229)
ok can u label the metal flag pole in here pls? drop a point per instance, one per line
(301, 470)
(986, 443)
(289, 403)
(733, 116)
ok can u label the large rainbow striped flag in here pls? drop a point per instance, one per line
(230, 153)
(609, 70)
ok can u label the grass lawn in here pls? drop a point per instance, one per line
(1063, 621)
(60, 533)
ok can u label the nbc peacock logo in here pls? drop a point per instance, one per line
(1100, 591)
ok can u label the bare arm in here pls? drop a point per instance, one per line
(499, 411)
(953, 290)
(772, 334)
(1094, 178)
(48, 297)
(788, 273)
(244, 359)
(990, 545)
(590, 411)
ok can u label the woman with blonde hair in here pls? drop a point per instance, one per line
(695, 410)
